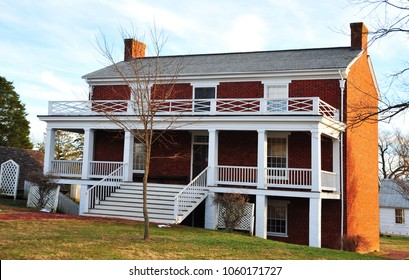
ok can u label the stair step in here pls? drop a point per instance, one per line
(139, 219)
(135, 214)
(135, 205)
(135, 200)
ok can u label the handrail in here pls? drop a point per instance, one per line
(93, 193)
(201, 177)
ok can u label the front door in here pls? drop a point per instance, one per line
(200, 150)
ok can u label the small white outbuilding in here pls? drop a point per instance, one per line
(393, 209)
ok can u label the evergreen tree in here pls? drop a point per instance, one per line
(14, 127)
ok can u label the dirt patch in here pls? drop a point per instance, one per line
(396, 255)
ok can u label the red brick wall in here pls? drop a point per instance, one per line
(361, 158)
(299, 150)
(298, 221)
(331, 223)
(171, 158)
(238, 148)
(108, 145)
(326, 90)
(118, 92)
(240, 90)
(175, 91)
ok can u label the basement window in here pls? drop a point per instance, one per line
(277, 218)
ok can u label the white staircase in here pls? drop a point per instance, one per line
(126, 203)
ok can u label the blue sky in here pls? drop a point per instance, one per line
(46, 46)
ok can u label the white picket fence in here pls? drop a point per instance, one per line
(67, 206)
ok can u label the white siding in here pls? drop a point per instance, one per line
(388, 225)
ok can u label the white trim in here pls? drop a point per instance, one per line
(192, 143)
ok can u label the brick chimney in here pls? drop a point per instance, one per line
(133, 49)
(359, 36)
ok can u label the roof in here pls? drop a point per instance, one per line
(236, 63)
(389, 195)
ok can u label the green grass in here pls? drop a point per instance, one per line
(82, 239)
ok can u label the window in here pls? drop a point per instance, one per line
(399, 216)
(277, 218)
(277, 157)
(139, 157)
(279, 96)
(203, 93)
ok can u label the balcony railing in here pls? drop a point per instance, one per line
(296, 178)
(244, 106)
(73, 168)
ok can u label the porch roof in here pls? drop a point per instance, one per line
(236, 63)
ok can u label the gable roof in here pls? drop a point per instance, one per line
(389, 195)
(237, 63)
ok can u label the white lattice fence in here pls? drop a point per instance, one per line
(9, 178)
(246, 222)
(51, 199)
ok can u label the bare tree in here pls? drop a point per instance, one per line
(389, 17)
(394, 159)
(150, 82)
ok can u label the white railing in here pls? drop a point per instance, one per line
(222, 106)
(104, 187)
(191, 196)
(100, 169)
(66, 168)
(73, 168)
(289, 177)
(329, 180)
(233, 175)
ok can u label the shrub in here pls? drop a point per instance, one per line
(235, 206)
(45, 183)
(354, 243)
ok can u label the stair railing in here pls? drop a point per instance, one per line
(105, 187)
(191, 196)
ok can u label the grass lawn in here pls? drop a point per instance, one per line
(82, 239)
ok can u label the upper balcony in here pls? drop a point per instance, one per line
(200, 107)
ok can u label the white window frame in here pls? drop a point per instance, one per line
(278, 203)
(401, 217)
(133, 159)
(271, 103)
(280, 135)
(203, 85)
(193, 142)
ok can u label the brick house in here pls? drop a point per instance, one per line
(272, 125)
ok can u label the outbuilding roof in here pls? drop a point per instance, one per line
(235, 63)
(389, 195)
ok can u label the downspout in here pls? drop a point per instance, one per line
(342, 83)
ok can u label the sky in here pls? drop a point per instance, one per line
(47, 46)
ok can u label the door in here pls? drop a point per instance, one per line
(200, 151)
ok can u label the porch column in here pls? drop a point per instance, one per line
(128, 156)
(211, 212)
(213, 157)
(315, 223)
(336, 162)
(83, 199)
(261, 159)
(49, 148)
(261, 216)
(316, 160)
(88, 153)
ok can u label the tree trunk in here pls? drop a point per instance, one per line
(146, 233)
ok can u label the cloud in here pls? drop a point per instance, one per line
(247, 33)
